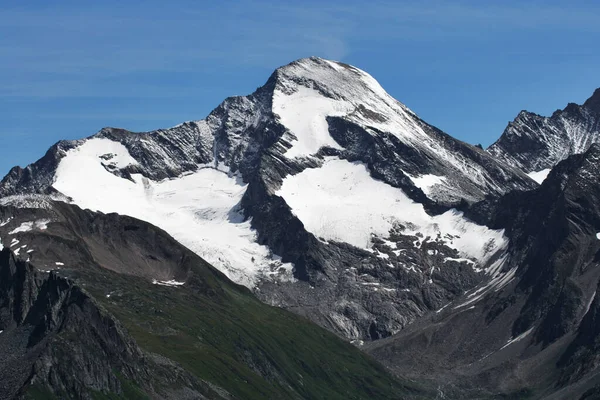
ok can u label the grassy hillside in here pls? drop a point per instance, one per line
(222, 334)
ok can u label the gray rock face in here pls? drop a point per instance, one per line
(536, 329)
(39, 317)
(534, 143)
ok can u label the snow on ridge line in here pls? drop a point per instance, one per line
(341, 201)
(352, 94)
(200, 210)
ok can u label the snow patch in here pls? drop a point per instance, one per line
(303, 112)
(539, 176)
(31, 225)
(200, 210)
(589, 303)
(427, 182)
(59, 263)
(518, 338)
(4, 223)
(466, 260)
(341, 201)
(167, 283)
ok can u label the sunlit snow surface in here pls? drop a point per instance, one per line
(539, 176)
(310, 90)
(304, 113)
(341, 201)
(427, 182)
(200, 210)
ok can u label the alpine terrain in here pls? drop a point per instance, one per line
(147, 265)
(535, 144)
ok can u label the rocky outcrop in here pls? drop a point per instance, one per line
(57, 338)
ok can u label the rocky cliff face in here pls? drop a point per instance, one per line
(55, 337)
(535, 143)
(533, 327)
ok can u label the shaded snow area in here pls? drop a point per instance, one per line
(518, 338)
(539, 176)
(200, 210)
(4, 223)
(30, 226)
(341, 201)
(303, 113)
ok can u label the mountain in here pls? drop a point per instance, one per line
(108, 306)
(535, 144)
(531, 333)
(319, 191)
(322, 195)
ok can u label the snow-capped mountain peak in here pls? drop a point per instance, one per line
(233, 188)
(312, 89)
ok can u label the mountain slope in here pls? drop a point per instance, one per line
(58, 342)
(188, 331)
(233, 187)
(531, 333)
(535, 144)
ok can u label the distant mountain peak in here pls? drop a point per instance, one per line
(593, 103)
(535, 143)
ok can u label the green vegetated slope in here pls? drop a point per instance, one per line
(222, 334)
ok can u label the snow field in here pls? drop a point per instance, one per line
(200, 210)
(341, 201)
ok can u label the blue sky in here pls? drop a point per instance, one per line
(468, 67)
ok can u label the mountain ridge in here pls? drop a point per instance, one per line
(535, 143)
(309, 114)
